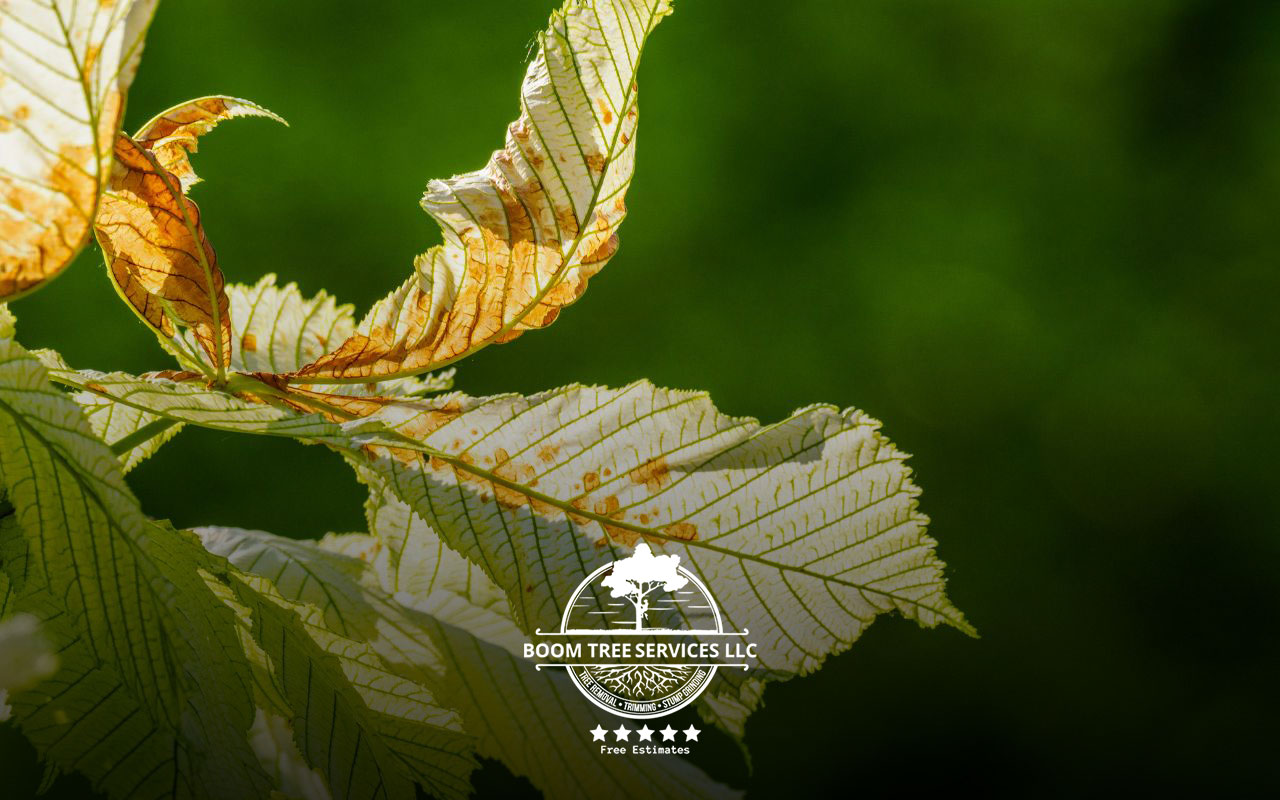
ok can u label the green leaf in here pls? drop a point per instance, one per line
(67, 67)
(135, 602)
(523, 235)
(132, 434)
(85, 717)
(355, 672)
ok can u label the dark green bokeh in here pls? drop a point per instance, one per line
(1038, 239)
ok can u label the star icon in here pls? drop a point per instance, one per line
(622, 733)
(646, 735)
(597, 733)
(691, 734)
(668, 734)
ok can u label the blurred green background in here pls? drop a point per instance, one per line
(1039, 239)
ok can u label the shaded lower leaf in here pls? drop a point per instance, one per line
(130, 592)
(350, 670)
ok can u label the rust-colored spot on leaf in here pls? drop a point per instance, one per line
(548, 452)
(249, 343)
(96, 387)
(590, 482)
(682, 530)
(653, 475)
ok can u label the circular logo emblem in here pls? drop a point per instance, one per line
(648, 621)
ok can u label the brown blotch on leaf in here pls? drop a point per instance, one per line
(590, 482)
(653, 475)
(548, 452)
(682, 530)
(249, 343)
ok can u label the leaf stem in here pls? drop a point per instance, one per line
(141, 435)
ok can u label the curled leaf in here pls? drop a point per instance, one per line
(158, 255)
(524, 234)
(64, 70)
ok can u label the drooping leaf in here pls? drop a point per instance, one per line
(171, 135)
(357, 675)
(133, 596)
(65, 68)
(158, 256)
(524, 234)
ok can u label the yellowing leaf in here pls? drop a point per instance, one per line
(158, 255)
(524, 234)
(65, 67)
(171, 135)
(277, 330)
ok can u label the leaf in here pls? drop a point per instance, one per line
(804, 530)
(158, 256)
(276, 330)
(472, 617)
(171, 135)
(132, 434)
(351, 668)
(65, 68)
(157, 253)
(272, 739)
(132, 593)
(524, 234)
(185, 398)
(84, 717)
(531, 720)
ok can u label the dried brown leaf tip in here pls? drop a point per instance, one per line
(523, 235)
(64, 71)
(171, 136)
(158, 255)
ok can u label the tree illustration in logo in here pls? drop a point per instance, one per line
(642, 574)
